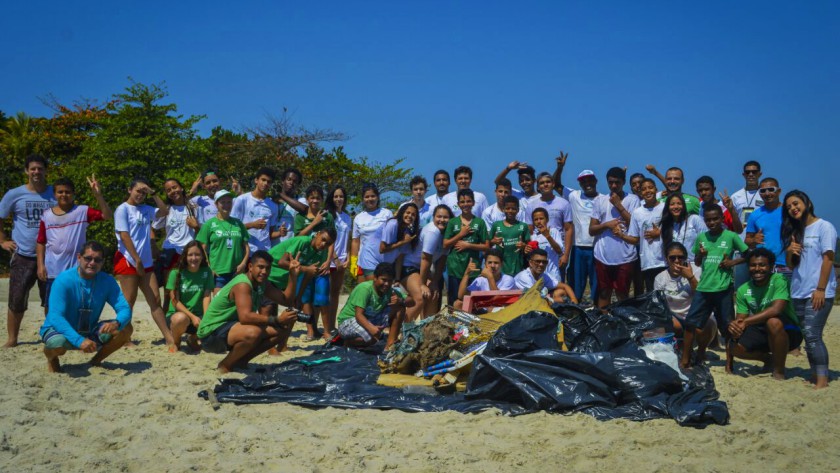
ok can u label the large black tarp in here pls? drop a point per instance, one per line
(522, 370)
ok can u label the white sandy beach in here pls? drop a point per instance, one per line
(140, 412)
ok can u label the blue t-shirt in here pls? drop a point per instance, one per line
(770, 223)
(26, 207)
(70, 292)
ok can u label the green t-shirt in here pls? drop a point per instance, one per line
(308, 256)
(692, 203)
(514, 259)
(457, 261)
(364, 295)
(301, 222)
(715, 279)
(191, 289)
(223, 309)
(225, 240)
(751, 299)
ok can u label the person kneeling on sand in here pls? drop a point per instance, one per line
(77, 298)
(373, 306)
(491, 278)
(556, 291)
(766, 327)
(238, 323)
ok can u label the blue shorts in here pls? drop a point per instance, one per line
(317, 292)
(53, 339)
(223, 279)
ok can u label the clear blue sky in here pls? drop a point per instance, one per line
(702, 85)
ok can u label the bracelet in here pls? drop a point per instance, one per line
(272, 320)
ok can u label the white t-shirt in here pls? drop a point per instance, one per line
(451, 201)
(248, 208)
(609, 248)
(678, 292)
(343, 227)
(581, 214)
(559, 210)
(522, 196)
(820, 237)
(494, 214)
(525, 280)
(205, 208)
(745, 202)
(434, 200)
(431, 243)
(552, 268)
(178, 233)
(137, 221)
(481, 283)
(686, 232)
(388, 234)
(642, 220)
(63, 236)
(285, 216)
(365, 227)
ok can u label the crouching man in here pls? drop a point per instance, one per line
(238, 323)
(373, 306)
(77, 298)
(766, 327)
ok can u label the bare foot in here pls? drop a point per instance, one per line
(821, 382)
(11, 344)
(778, 376)
(795, 352)
(222, 369)
(273, 351)
(54, 366)
(129, 344)
(174, 348)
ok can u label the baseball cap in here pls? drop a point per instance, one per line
(221, 193)
(585, 173)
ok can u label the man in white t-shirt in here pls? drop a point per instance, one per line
(746, 200)
(463, 180)
(582, 201)
(258, 212)
(614, 257)
(537, 263)
(441, 183)
(527, 181)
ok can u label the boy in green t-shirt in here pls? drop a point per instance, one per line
(712, 252)
(510, 235)
(372, 306)
(766, 327)
(467, 234)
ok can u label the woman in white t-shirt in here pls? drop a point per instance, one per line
(433, 258)
(336, 206)
(678, 283)
(180, 224)
(678, 225)
(364, 250)
(133, 264)
(810, 243)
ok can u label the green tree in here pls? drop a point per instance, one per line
(18, 140)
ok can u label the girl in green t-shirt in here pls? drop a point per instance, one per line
(190, 286)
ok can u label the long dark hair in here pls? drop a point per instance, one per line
(330, 204)
(182, 263)
(795, 228)
(402, 229)
(666, 232)
(176, 181)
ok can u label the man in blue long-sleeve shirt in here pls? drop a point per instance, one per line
(77, 298)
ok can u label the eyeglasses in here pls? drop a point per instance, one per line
(675, 258)
(93, 259)
(768, 190)
(751, 171)
(539, 261)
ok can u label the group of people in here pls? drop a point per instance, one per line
(761, 264)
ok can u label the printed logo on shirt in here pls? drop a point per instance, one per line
(34, 210)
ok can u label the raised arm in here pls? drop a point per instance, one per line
(558, 172)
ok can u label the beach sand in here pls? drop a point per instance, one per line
(141, 412)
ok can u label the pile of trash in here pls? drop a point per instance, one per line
(606, 371)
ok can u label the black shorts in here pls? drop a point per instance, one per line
(216, 342)
(190, 328)
(23, 274)
(754, 338)
(408, 271)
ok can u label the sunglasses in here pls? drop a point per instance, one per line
(675, 258)
(751, 171)
(539, 261)
(93, 259)
(768, 190)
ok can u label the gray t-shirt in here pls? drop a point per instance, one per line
(26, 208)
